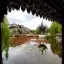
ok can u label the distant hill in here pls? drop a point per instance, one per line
(17, 29)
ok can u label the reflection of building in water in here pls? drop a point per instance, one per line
(42, 47)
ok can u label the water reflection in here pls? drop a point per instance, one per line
(56, 47)
(35, 51)
(42, 47)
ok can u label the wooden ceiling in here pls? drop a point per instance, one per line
(49, 9)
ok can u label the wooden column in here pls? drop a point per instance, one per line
(1, 62)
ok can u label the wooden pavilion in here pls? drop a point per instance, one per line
(50, 9)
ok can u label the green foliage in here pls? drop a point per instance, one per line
(47, 30)
(47, 37)
(40, 29)
(35, 31)
(5, 36)
(60, 28)
(55, 29)
(55, 48)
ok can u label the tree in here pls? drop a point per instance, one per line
(6, 39)
(37, 31)
(42, 28)
(33, 31)
(55, 29)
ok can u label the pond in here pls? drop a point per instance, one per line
(33, 52)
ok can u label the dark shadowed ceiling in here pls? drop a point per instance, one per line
(49, 9)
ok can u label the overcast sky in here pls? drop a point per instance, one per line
(28, 20)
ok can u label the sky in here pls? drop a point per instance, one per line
(28, 20)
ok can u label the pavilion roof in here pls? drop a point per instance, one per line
(49, 9)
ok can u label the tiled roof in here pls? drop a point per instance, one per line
(49, 9)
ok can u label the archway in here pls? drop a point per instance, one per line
(51, 10)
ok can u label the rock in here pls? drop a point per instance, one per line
(59, 39)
